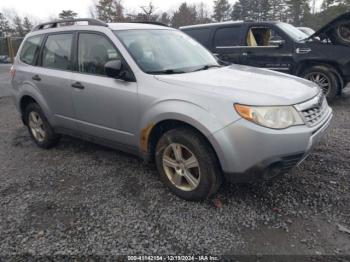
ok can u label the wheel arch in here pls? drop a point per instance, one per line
(23, 103)
(332, 66)
(155, 131)
(29, 94)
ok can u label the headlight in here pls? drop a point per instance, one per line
(276, 117)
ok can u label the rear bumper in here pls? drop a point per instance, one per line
(251, 152)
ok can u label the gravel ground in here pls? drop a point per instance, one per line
(4, 80)
(80, 198)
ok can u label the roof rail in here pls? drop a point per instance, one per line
(151, 23)
(54, 24)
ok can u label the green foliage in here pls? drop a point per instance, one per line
(67, 14)
(27, 25)
(222, 10)
(259, 10)
(327, 15)
(165, 18)
(296, 12)
(110, 11)
(18, 26)
(185, 15)
(4, 25)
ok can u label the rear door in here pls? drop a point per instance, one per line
(105, 107)
(266, 46)
(54, 76)
(227, 42)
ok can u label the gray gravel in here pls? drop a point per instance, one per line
(80, 198)
(4, 80)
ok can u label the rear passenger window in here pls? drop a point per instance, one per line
(57, 51)
(201, 35)
(94, 51)
(228, 36)
(30, 50)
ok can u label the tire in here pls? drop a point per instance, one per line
(339, 35)
(183, 178)
(39, 128)
(326, 73)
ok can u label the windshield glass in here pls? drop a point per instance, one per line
(292, 31)
(165, 51)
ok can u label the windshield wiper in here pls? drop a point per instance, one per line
(166, 72)
(205, 67)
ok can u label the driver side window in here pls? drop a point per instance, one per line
(94, 51)
(263, 37)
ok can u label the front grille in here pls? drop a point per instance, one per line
(314, 111)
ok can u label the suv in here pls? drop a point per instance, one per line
(323, 57)
(155, 92)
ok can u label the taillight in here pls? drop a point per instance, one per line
(12, 72)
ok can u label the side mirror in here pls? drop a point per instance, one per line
(278, 43)
(113, 68)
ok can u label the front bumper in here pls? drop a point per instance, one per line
(248, 152)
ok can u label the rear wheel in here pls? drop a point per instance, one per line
(39, 128)
(325, 79)
(187, 164)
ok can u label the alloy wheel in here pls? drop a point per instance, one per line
(36, 126)
(320, 79)
(181, 167)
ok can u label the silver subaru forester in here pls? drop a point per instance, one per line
(153, 91)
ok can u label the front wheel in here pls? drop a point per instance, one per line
(325, 79)
(187, 164)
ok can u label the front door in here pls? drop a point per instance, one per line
(105, 107)
(266, 47)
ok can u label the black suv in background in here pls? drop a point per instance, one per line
(323, 57)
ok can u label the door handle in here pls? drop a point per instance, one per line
(36, 78)
(78, 85)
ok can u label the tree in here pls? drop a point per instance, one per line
(148, 12)
(185, 15)
(222, 10)
(264, 12)
(277, 10)
(165, 18)
(67, 14)
(27, 25)
(297, 9)
(203, 16)
(259, 10)
(237, 11)
(18, 27)
(4, 25)
(110, 11)
(330, 10)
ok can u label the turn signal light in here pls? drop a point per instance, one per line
(245, 111)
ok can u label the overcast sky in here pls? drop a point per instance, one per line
(42, 9)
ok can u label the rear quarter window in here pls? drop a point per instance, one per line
(201, 35)
(30, 49)
(227, 36)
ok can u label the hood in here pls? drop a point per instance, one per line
(247, 85)
(338, 30)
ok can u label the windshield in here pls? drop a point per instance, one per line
(292, 31)
(166, 51)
